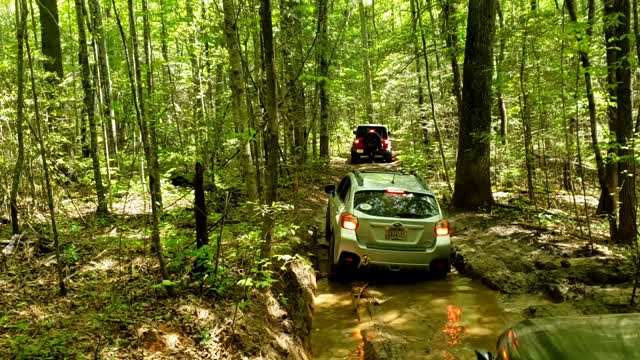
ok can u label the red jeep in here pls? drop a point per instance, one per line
(371, 143)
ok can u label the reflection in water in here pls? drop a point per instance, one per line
(451, 328)
(426, 316)
(357, 334)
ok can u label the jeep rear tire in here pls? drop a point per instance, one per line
(354, 158)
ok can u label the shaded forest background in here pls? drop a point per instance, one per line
(114, 114)
(110, 109)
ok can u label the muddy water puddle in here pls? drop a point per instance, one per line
(409, 317)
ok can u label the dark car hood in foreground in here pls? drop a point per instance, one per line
(604, 337)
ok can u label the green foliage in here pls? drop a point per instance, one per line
(274, 209)
(54, 344)
(283, 300)
(222, 282)
(259, 277)
(70, 254)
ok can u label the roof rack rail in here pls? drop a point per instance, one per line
(356, 173)
(379, 171)
(420, 178)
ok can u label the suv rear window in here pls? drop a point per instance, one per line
(404, 205)
(363, 130)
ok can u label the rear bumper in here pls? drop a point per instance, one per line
(347, 243)
(379, 154)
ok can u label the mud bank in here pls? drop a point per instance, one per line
(279, 327)
(515, 257)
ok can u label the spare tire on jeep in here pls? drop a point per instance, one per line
(372, 142)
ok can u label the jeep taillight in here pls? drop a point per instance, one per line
(385, 143)
(442, 228)
(349, 221)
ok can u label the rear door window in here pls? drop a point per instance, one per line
(363, 130)
(395, 204)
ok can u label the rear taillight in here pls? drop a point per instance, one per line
(442, 228)
(349, 221)
(385, 143)
(356, 141)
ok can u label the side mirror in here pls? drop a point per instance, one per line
(484, 355)
(355, 132)
(330, 189)
(388, 133)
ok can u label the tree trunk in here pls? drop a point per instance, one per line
(148, 61)
(580, 163)
(526, 117)
(451, 37)
(33, 24)
(45, 167)
(21, 35)
(200, 208)
(624, 128)
(416, 50)
(271, 135)
(427, 70)
(293, 66)
(149, 152)
(504, 121)
(323, 73)
(236, 83)
(586, 65)
(89, 107)
(285, 104)
(50, 36)
(105, 76)
(636, 32)
(473, 178)
(148, 135)
(608, 204)
(196, 93)
(364, 36)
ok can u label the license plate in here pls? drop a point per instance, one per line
(360, 151)
(395, 234)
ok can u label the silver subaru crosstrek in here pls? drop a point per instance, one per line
(386, 218)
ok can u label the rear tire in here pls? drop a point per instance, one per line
(334, 269)
(354, 159)
(327, 225)
(439, 273)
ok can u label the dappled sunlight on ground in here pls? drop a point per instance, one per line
(102, 265)
(35, 312)
(328, 300)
